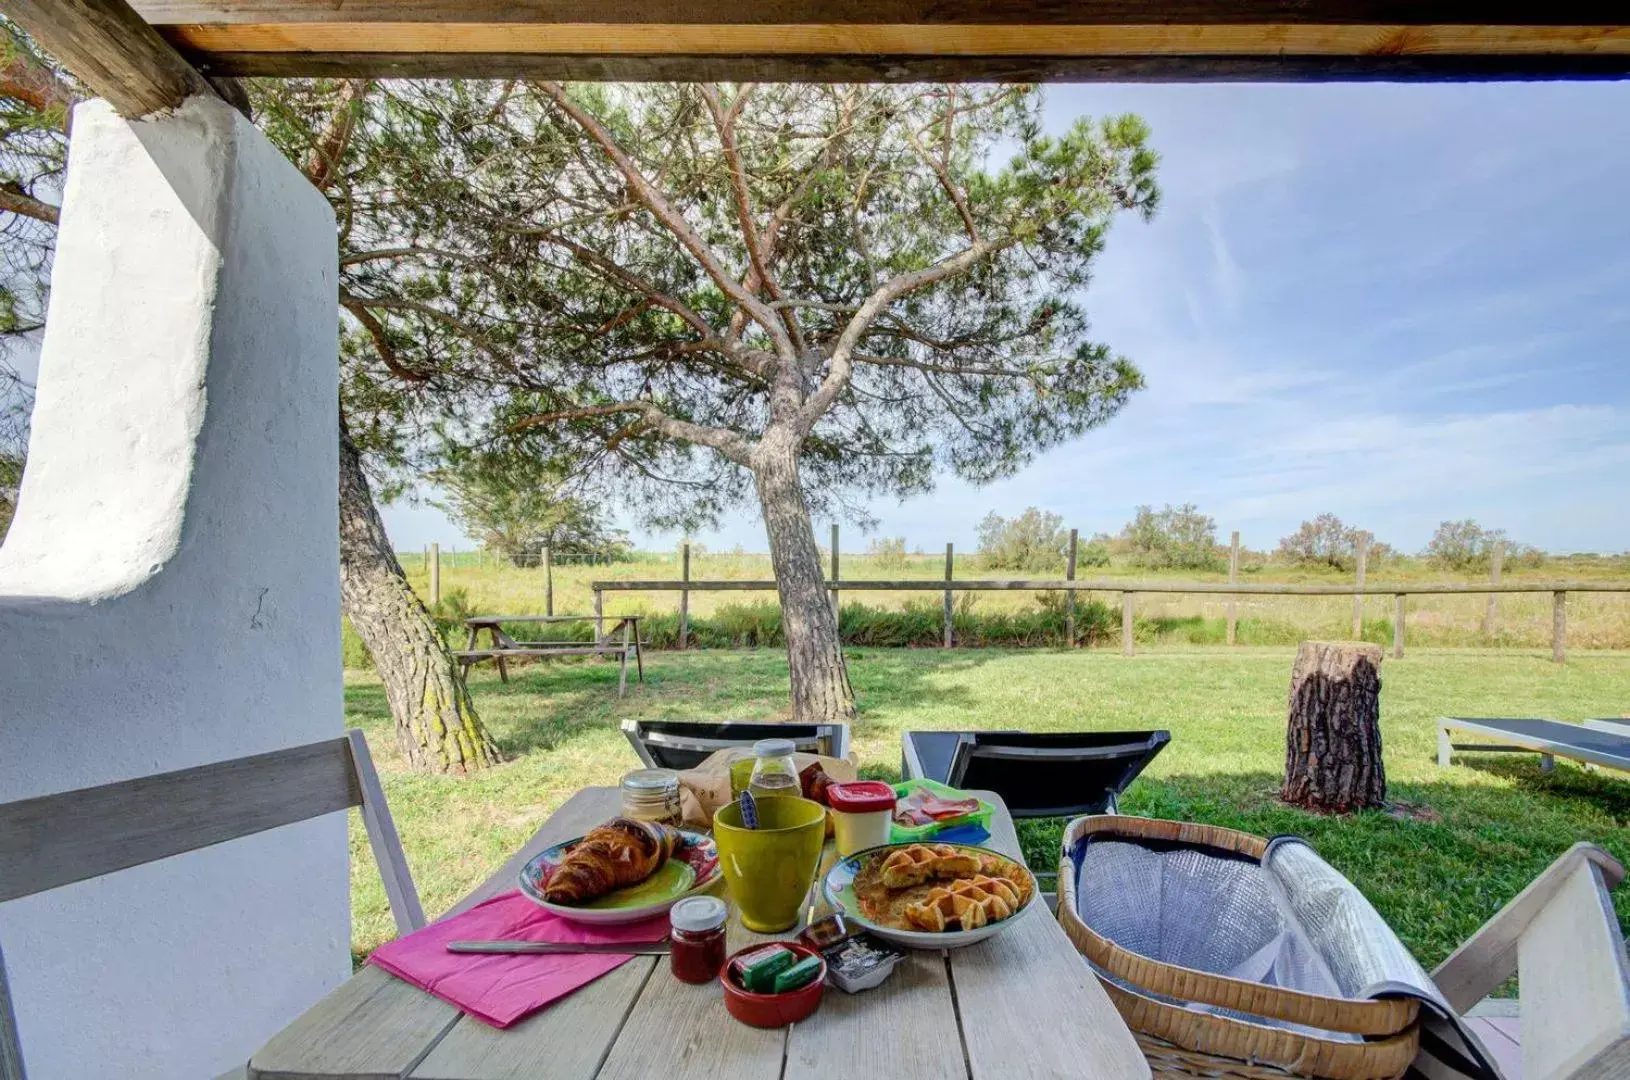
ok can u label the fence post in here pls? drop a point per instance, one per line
(947, 596)
(1491, 613)
(1358, 597)
(1559, 626)
(1233, 579)
(548, 582)
(1126, 624)
(427, 558)
(599, 616)
(435, 574)
(834, 571)
(1069, 597)
(1398, 627)
(684, 596)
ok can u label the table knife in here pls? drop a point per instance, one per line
(550, 948)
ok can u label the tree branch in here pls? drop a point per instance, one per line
(18, 201)
(671, 219)
(326, 153)
(381, 339)
(25, 79)
(728, 443)
(841, 364)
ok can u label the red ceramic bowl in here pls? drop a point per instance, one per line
(772, 1010)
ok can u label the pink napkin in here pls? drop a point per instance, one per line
(502, 989)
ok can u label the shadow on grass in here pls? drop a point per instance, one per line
(1434, 881)
(1598, 790)
(545, 705)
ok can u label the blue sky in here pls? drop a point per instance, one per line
(1400, 304)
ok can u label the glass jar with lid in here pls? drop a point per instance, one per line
(652, 795)
(774, 770)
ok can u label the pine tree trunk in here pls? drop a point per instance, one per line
(436, 723)
(820, 682)
(1333, 743)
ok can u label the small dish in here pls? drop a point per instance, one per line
(773, 1010)
(693, 868)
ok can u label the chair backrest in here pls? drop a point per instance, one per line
(1054, 774)
(684, 744)
(1561, 938)
(56, 840)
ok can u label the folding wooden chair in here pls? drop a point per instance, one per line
(56, 840)
(1561, 938)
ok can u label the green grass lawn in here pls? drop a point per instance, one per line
(1464, 841)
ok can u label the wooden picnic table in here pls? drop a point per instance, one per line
(1020, 1004)
(622, 639)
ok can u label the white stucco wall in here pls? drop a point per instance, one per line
(169, 590)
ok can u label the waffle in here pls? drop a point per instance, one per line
(969, 904)
(923, 862)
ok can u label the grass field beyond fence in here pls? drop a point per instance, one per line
(486, 585)
(1463, 841)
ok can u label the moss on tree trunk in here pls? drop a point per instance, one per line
(437, 727)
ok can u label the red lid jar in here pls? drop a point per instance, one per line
(861, 797)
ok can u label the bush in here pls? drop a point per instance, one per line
(1467, 546)
(889, 552)
(1035, 540)
(1175, 537)
(1093, 553)
(1325, 541)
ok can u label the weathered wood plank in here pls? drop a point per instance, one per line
(1028, 983)
(1112, 585)
(383, 839)
(373, 1027)
(1069, 598)
(566, 1041)
(1559, 626)
(682, 1032)
(113, 51)
(1037, 12)
(599, 38)
(58, 839)
(1233, 579)
(906, 1027)
(902, 69)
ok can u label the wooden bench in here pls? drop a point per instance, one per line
(620, 641)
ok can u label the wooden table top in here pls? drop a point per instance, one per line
(1021, 1004)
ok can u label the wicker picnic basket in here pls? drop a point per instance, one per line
(1180, 1042)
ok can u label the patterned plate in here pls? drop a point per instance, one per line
(839, 888)
(693, 868)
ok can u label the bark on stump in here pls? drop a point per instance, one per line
(1333, 742)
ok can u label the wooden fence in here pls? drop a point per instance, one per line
(1128, 591)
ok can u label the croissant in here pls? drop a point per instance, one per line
(621, 852)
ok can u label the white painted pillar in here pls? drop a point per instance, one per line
(169, 592)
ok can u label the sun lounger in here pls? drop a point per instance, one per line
(1550, 739)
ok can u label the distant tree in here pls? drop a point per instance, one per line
(1035, 540)
(1174, 537)
(1462, 545)
(1326, 541)
(889, 552)
(518, 506)
(1094, 552)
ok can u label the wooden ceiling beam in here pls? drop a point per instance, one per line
(896, 52)
(112, 50)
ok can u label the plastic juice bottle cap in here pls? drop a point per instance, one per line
(774, 748)
(861, 797)
(698, 914)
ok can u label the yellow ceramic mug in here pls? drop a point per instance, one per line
(769, 869)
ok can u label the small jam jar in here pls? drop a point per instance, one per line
(697, 947)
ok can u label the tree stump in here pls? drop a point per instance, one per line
(1333, 742)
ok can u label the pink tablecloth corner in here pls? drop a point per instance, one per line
(497, 989)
